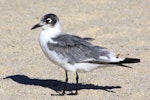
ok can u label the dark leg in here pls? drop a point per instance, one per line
(65, 86)
(77, 78)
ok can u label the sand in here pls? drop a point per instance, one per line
(120, 25)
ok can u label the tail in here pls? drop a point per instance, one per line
(126, 61)
(120, 63)
(130, 60)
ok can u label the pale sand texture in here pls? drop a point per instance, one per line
(120, 25)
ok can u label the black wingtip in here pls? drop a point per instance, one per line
(130, 60)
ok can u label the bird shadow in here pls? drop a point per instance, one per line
(57, 85)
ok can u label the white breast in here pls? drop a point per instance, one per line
(45, 37)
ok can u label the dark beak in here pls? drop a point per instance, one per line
(36, 26)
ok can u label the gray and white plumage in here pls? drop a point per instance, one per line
(74, 53)
(74, 48)
(71, 52)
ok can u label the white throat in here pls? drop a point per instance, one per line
(50, 32)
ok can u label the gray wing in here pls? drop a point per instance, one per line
(76, 49)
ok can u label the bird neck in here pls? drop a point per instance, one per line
(52, 32)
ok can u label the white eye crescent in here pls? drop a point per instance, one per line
(49, 20)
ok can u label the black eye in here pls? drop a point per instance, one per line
(49, 20)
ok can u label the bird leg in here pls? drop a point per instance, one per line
(77, 78)
(76, 91)
(65, 86)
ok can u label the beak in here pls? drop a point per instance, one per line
(36, 26)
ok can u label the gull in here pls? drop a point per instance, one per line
(73, 53)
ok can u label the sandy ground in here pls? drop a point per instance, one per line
(120, 25)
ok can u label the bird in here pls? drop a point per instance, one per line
(74, 53)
